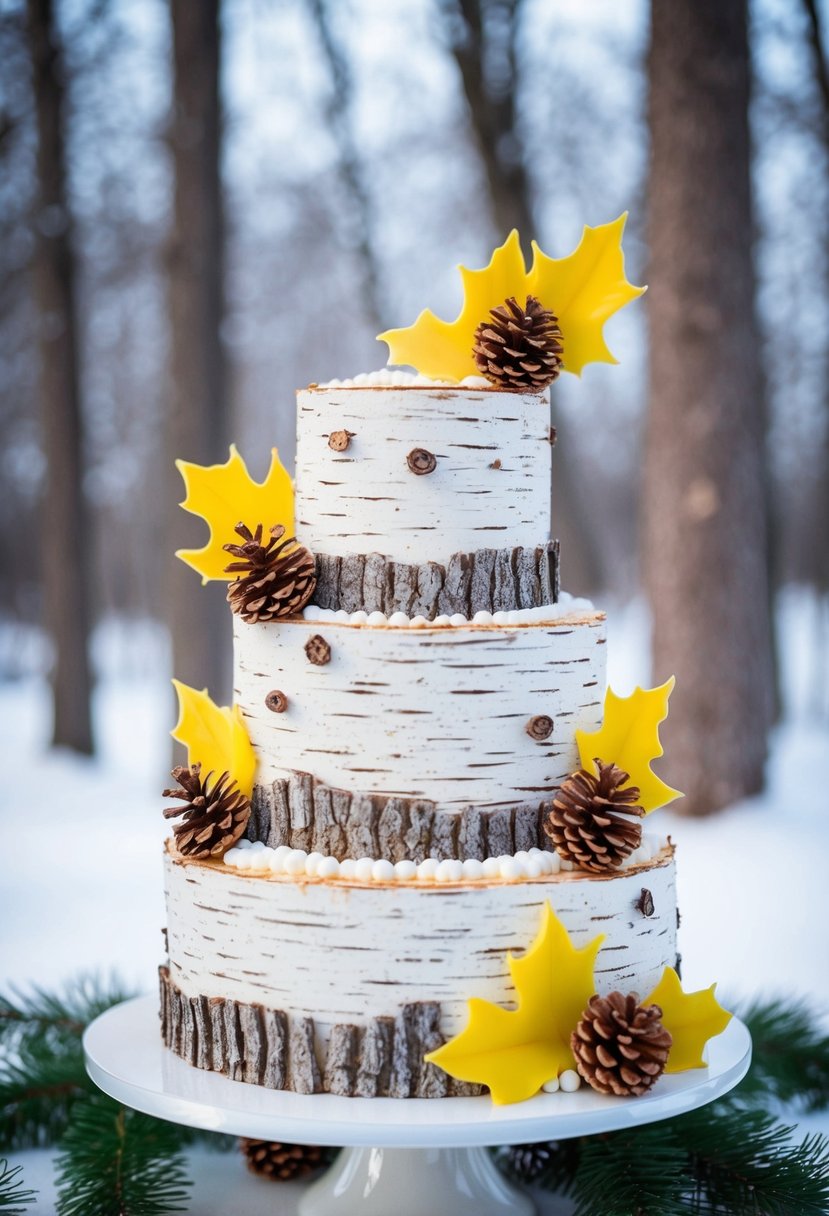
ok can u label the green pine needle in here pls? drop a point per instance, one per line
(790, 1055)
(119, 1162)
(13, 1196)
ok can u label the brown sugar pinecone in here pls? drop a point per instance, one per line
(282, 1162)
(519, 348)
(621, 1047)
(273, 580)
(593, 821)
(215, 816)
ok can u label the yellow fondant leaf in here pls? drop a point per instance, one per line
(629, 738)
(583, 290)
(225, 494)
(215, 736)
(515, 1051)
(691, 1017)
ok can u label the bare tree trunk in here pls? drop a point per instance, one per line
(65, 531)
(198, 413)
(705, 543)
(338, 117)
(483, 35)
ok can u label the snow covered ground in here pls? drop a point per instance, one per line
(81, 883)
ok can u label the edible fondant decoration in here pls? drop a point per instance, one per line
(222, 494)
(692, 1018)
(515, 1051)
(215, 736)
(629, 738)
(583, 290)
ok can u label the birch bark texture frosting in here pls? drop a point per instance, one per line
(431, 713)
(342, 953)
(490, 486)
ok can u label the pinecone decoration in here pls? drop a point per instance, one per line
(527, 1162)
(273, 580)
(593, 821)
(519, 348)
(621, 1047)
(215, 816)
(282, 1162)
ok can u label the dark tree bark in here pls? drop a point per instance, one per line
(483, 36)
(705, 526)
(198, 412)
(65, 530)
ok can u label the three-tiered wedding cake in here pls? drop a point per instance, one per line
(421, 772)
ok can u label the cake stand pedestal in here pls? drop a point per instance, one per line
(418, 1157)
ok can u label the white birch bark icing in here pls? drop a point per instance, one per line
(432, 713)
(346, 953)
(366, 500)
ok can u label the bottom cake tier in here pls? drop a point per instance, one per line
(319, 984)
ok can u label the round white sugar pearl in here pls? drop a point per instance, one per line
(551, 1086)
(244, 843)
(329, 867)
(258, 845)
(363, 868)
(449, 870)
(441, 620)
(554, 863)
(566, 865)
(522, 855)
(230, 857)
(428, 868)
(341, 615)
(359, 617)
(278, 861)
(405, 871)
(295, 861)
(509, 868)
(482, 618)
(311, 613)
(491, 867)
(282, 851)
(473, 869)
(348, 868)
(312, 863)
(569, 1081)
(245, 860)
(382, 871)
(499, 618)
(418, 622)
(376, 618)
(533, 867)
(458, 619)
(398, 619)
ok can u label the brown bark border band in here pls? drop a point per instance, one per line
(304, 813)
(488, 580)
(383, 1059)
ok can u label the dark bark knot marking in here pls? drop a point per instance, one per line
(338, 441)
(644, 903)
(276, 701)
(540, 727)
(318, 651)
(421, 462)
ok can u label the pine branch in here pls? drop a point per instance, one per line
(119, 1162)
(790, 1060)
(639, 1173)
(61, 1015)
(13, 1197)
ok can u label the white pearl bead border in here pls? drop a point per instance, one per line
(567, 605)
(530, 863)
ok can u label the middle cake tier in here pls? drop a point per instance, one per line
(431, 723)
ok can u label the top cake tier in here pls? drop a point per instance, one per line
(421, 473)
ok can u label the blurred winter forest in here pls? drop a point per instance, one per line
(254, 188)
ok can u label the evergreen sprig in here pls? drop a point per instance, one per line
(13, 1195)
(791, 1055)
(118, 1162)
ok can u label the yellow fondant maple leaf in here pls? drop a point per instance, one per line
(515, 1051)
(215, 736)
(583, 290)
(225, 494)
(691, 1017)
(629, 738)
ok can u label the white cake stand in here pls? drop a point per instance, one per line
(418, 1157)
